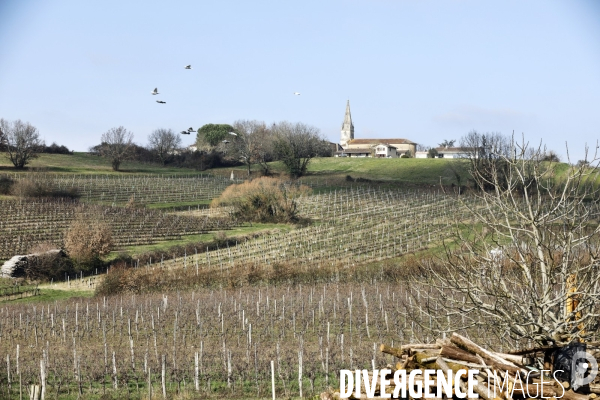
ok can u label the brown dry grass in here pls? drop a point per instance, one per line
(263, 199)
(86, 240)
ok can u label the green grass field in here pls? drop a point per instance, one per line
(204, 238)
(49, 295)
(84, 163)
(411, 171)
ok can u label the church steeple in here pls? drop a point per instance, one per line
(347, 127)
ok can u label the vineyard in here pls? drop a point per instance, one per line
(26, 223)
(149, 189)
(218, 342)
(353, 226)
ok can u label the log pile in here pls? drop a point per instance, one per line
(501, 376)
(17, 265)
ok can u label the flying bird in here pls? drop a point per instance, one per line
(297, 94)
(185, 133)
(161, 102)
(232, 133)
(188, 67)
(190, 129)
(155, 91)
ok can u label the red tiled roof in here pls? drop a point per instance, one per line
(383, 141)
(348, 151)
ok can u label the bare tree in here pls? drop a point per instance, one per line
(253, 144)
(3, 138)
(296, 144)
(22, 141)
(487, 153)
(164, 142)
(116, 145)
(525, 265)
(422, 147)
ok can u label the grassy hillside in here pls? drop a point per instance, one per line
(408, 170)
(84, 163)
(413, 171)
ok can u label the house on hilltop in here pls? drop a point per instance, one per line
(449, 152)
(453, 152)
(385, 148)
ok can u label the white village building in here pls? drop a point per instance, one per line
(448, 152)
(384, 148)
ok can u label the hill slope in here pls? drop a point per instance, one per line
(85, 163)
(411, 171)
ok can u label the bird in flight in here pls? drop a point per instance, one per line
(188, 67)
(185, 133)
(297, 94)
(161, 102)
(155, 91)
(190, 129)
(232, 133)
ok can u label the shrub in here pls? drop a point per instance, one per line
(114, 281)
(551, 156)
(263, 199)
(583, 164)
(55, 149)
(87, 240)
(220, 239)
(36, 188)
(5, 184)
(133, 203)
(28, 188)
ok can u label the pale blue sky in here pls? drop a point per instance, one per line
(423, 70)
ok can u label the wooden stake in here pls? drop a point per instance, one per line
(273, 379)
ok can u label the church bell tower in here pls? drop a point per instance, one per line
(347, 127)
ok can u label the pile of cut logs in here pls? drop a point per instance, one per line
(501, 376)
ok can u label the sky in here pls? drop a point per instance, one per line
(424, 70)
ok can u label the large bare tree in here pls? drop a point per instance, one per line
(2, 137)
(21, 140)
(253, 144)
(164, 142)
(525, 264)
(116, 145)
(295, 144)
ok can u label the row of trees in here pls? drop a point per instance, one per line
(246, 142)
(252, 142)
(482, 145)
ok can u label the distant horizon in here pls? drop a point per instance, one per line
(423, 71)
